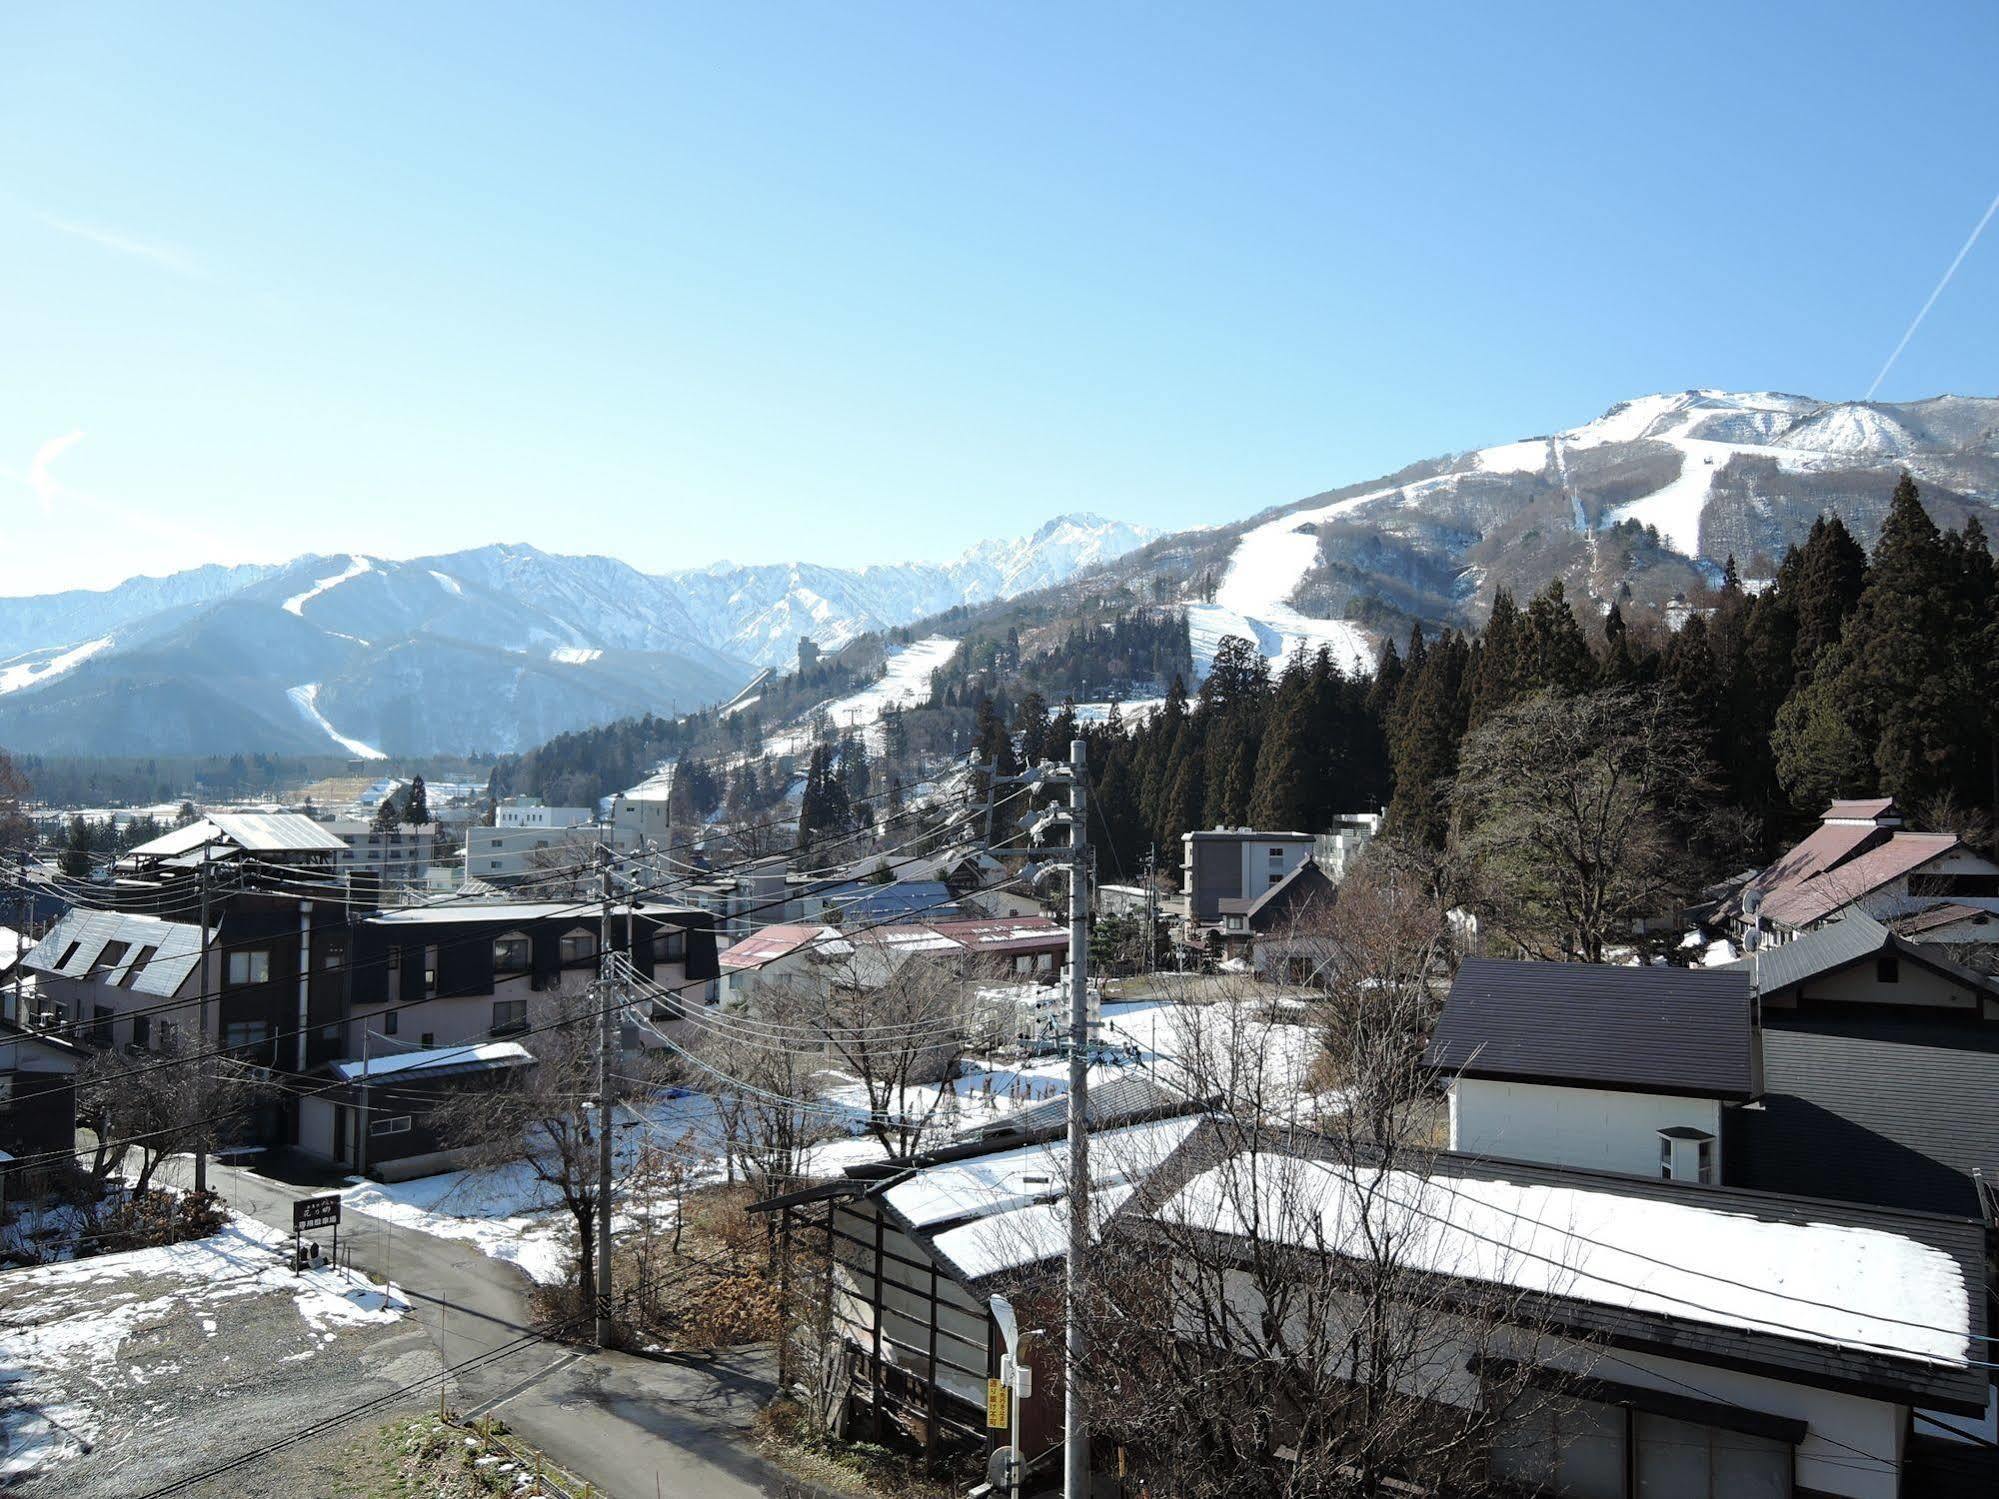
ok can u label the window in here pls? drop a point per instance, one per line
(429, 972)
(333, 955)
(100, 1026)
(142, 1030)
(429, 1038)
(138, 966)
(111, 957)
(511, 953)
(395, 960)
(398, 1125)
(390, 1020)
(167, 1033)
(1665, 1158)
(239, 1034)
(250, 967)
(1565, 1447)
(509, 1015)
(1276, 878)
(1888, 968)
(671, 945)
(578, 947)
(1705, 1462)
(1704, 1149)
(1277, 856)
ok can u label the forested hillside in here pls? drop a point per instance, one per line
(1845, 676)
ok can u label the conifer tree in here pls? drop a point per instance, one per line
(416, 804)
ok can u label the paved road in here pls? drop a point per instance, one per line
(632, 1426)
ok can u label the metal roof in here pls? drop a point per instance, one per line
(176, 944)
(1821, 894)
(1650, 1029)
(484, 1056)
(254, 832)
(1852, 938)
(1886, 1110)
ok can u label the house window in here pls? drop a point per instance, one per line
(430, 973)
(100, 1026)
(509, 1016)
(1277, 856)
(1704, 1151)
(1665, 1158)
(1562, 1447)
(138, 966)
(511, 953)
(578, 947)
(1888, 969)
(671, 945)
(1704, 1462)
(397, 1125)
(142, 1030)
(240, 1034)
(390, 1020)
(427, 1039)
(250, 967)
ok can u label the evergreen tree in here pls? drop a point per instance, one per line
(1498, 666)
(1822, 587)
(1283, 782)
(1425, 746)
(75, 860)
(1557, 653)
(416, 803)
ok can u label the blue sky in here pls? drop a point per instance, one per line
(863, 282)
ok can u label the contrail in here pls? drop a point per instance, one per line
(1994, 207)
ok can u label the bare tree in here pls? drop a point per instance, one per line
(1572, 813)
(547, 1117)
(1290, 1313)
(765, 1079)
(899, 1024)
(160, 1104)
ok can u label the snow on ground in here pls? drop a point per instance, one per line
(306, 697)
(574, 655)
(507, 1213)
(35, 667)
(1188, 1046)
(448, 583)
(356, 566)
(906, 682)
(80, 1334)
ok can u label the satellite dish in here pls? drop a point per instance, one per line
(1752, 902)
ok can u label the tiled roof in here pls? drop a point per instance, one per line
(1649, 1029)
(1894, 1111)
(772, 943)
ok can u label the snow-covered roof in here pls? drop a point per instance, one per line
(437, 1058)
(1848, 1284)
(1004, 1209)
(449, 912)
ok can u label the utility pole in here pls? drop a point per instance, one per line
(605, 1037)
(366, 1114)
(201, 1038)
(1151, 904)
(1076, 1441)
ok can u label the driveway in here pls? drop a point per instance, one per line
(632, 1426)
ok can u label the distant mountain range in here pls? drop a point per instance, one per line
(493, 648)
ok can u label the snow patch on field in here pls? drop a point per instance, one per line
(28, 671)
(68, 1358)
(905, 683)
(306, 697)
(355, 567)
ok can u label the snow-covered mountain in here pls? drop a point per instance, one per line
(492, 648)
(1647, 501)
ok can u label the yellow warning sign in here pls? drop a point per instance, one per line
(996, 1404)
